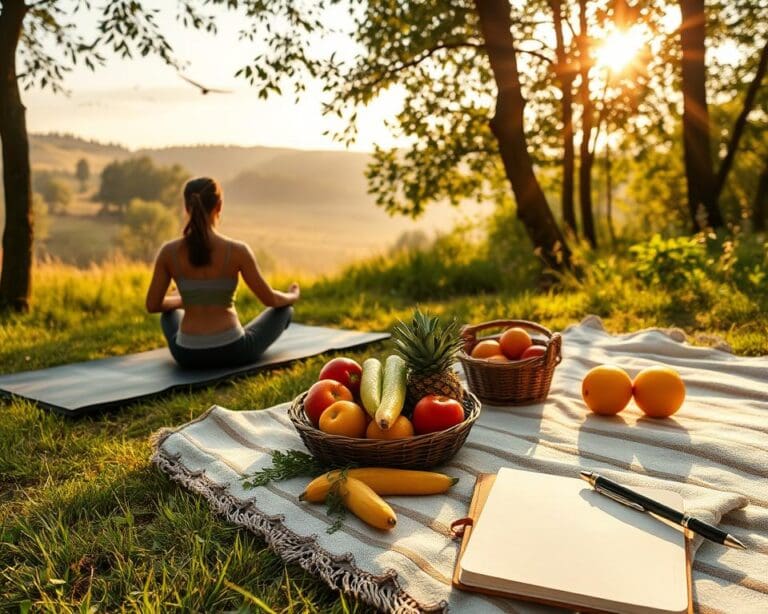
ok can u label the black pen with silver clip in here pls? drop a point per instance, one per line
(641, 503)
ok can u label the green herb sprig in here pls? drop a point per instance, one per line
(294, 464)
(285, 465)
(334, 503)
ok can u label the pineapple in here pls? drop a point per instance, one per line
(429, 348)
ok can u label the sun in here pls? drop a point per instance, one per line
(619, 49)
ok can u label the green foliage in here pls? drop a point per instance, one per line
(145, 226)
(285, 465)
(41, 217)
(83, 173)
(672, 263)
(451, 266)
(121, 182)
(54, 189)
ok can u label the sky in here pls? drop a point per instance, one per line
(143, 102)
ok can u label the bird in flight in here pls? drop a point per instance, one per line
(203, 89)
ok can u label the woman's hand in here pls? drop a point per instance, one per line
(172, 301)
(294, 291)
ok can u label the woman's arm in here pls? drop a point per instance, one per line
(157, 300)
(264, 292)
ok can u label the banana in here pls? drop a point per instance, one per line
(370, 386)
(383, 482)
(366, 504)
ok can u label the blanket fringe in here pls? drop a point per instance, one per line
(339, 572)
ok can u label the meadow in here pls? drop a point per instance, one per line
(87, 524)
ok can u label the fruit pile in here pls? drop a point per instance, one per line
(514, 344)
(658, 391)
(360, 490)
(415, 391)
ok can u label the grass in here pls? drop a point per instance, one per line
(87, 524)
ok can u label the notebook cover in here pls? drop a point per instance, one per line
(483, 485)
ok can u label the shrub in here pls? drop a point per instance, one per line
(672, 263)
(145, 226)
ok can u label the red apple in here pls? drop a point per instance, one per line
(322, 395)
(436, 413)
(533, 351)
(345, 371)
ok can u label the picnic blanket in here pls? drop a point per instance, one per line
(713, 452)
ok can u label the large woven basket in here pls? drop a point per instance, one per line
(519, 382)
(417, 452)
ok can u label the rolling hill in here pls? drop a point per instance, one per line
(308, 210)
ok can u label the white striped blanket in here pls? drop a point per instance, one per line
(714, 451)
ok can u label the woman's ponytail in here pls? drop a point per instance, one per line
(201, 196)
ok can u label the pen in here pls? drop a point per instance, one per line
(641, 503)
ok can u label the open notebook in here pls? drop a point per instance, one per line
(553, 539)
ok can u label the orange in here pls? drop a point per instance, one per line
(400, 428)
(659, 391)
(486, 348)
(606, 389)
(498, 358)
(344, 418)
(514, 341)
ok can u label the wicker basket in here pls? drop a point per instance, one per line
(417, 452)
(520, 382)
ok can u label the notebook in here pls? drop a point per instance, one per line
(555, 540)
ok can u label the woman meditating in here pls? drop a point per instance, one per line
(199, 321)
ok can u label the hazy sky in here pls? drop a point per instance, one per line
(143, 103)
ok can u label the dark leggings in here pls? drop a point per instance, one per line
(260, 333)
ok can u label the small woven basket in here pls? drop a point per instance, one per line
(519, 382)
(417, 452)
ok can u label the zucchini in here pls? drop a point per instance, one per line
(370, 386)
(392, 392)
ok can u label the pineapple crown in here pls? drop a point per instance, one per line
(427, 345)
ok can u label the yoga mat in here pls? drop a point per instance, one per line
(80, 388)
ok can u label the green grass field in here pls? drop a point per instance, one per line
(87, 524)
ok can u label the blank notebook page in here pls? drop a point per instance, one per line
(554, 538)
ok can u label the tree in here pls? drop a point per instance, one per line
(456, 86)
(760, 203)
(586, 157)
(508, 128)
(42, 223)
(144, 228)
(54, 191)
(28, 30)
(83, 173)
(741, 121)
(565, 73)
(121, 182)
(699, 172)
(17, 184)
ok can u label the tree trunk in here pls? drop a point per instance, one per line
(508, 128)
(760, 204)
(699, 174)
(609, 194)
(564, 72)
(15, 278)
(741, 122)
(585, 155)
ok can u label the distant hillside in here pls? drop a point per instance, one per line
(309, 210)
(62, 151)
(224, 162)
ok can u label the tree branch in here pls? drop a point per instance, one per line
(741, 122)
(404, 65)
